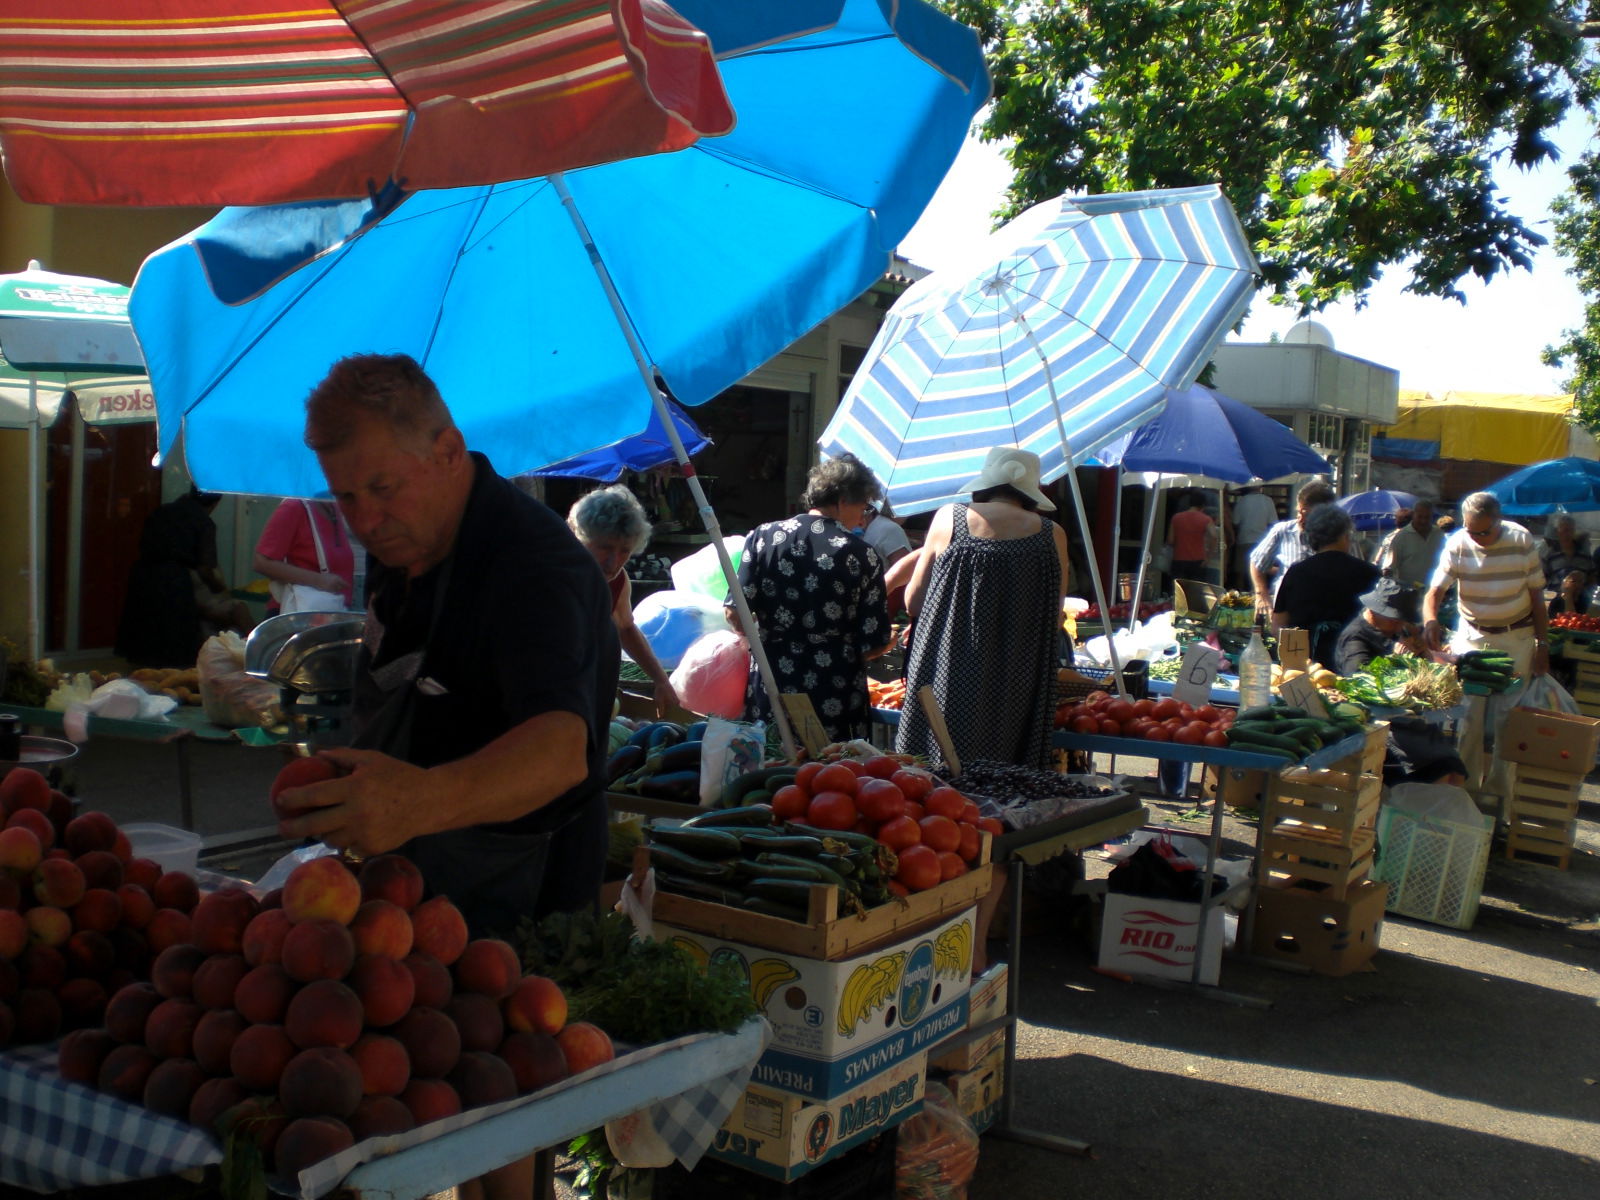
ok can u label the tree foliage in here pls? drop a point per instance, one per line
(1577, 226)
(1350, 137)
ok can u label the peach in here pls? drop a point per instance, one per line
(300, 772)
(38, 1016)
(489, 966)
(321, 1081)
(213, 1098)
(217, 979)
(385, 1065)
(133, 952)
(125, 1071)
(259, 1056)
(89, 831)
(23, 787)
(174, 968)
(83, 1002)
(439, 929)
(318, 948)
(322, 889)
(263, 994)
(218, 921)
(48, 926)
(380, 1116)
(431, 1039)
(263, 937)
(137, 907)
(166, 927)
(20, 851)
(535, 1059)
(101, 869)
(122, 848)
(480, 1078)
(58, 882)
(537, 1005)
(176, 890)
(392, 877)
(60, 811)
(145, 872)
(128, 1010)
(306, 1141)
(324, 1013)
(477, 1019)
(42, 966)
(169, 1030)
(382, 928)
(386, 989)
(214, 1036)
(431, 978)
(585, 1045)
(100, 910)
(10, 892)
(89, 952)
(430, 1100)
(172, 1085)
(33, 819)
(82, 1053)
(273, 899)
(14, 933)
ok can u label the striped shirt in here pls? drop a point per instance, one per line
(1283, 545)
(1493, 581)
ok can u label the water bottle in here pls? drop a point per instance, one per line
(1255, 673)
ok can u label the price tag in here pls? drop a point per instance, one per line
(807, 725)
(1302, 693)
(1294, 649)
(1195, 675)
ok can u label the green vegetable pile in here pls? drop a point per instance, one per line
(1404, 681)
(1491, 670)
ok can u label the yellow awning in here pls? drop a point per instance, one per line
(1503, 427)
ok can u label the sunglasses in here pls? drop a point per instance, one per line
(1481, 535)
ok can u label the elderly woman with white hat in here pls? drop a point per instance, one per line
(986, 597)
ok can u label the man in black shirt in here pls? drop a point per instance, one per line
(1388, 614)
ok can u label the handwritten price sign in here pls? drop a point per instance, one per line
(1195, 675)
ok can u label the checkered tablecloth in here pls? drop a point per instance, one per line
(55, 1134)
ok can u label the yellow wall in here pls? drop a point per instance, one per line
(1488, 426)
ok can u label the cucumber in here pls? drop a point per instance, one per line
(1277, 712)
(700, 889)
(759, 796)
(746, 869)
(823, 873)
(786, 891)
(774, 908)
(856, 841)
(1252, 736)
(736, 789)
(701, 841)
(754, 841)
(749, 814)
(679, 863)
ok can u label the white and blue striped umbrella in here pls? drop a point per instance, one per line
(1061, 331)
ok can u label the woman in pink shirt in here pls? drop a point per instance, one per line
(1192, 536)
(305, 551)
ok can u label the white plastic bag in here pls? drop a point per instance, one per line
(122, 699)
(672, 621)
(1542, 691)
(711, 677)
(728, 750)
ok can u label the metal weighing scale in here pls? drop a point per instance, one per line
(311, 657)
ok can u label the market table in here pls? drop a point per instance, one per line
(56, 1135)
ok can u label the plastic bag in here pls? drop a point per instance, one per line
(1542, 691)
(937, 1152)
(673, 621)
(1436, 802)
(701, 572)
(728, 750)
(711, 677)
(122, 699)
(231, 698)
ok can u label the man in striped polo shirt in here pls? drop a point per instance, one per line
(1500, 590)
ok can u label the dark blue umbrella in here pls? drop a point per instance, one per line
(1203, 432)
(649, 449)
(1377, 508)
(1572, 484)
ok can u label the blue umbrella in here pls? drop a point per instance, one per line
(1203, 432)
(542, 306)
(1559, 484)
(652, 448)
(1377, 508)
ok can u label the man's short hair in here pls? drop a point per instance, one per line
(390, 387)
(1325, 525)
(1481, 504)
(1313, 492)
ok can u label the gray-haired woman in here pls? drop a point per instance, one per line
(611, 524)
(1321, 594)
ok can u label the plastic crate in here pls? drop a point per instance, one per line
(1135, 675)
(1434, 868)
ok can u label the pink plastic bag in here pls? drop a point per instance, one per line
(710, 678)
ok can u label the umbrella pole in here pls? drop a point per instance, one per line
(1144, 546)
(1116, 549)
(35, 647)
(747, 622)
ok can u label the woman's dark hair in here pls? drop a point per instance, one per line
(845, 480)
(1007, 492)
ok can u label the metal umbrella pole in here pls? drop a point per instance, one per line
(647, 373)
(1151, 496)
(35, 641)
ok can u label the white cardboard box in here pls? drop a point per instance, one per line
(835, 1024)
(1141, 936)
(782, 1137)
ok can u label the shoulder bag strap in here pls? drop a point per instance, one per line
(316, 537)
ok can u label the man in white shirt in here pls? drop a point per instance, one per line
(1285, 544)
(1410, 552)
(1253, 514)
(883, 533)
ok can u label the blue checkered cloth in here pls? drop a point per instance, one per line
(688, 1121)
(55, 1134)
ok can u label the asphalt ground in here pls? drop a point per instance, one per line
(1464, 1064)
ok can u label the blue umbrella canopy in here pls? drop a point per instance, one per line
(714, 258)
(652, 448)
(1570, 484)
(1377, 508)
(1203, 432)
(1063, 330)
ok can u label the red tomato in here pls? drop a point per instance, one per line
(1185, 710)
(831, 810)
(1158, 733)
(1120, 711)
(915, 811)
(881, 767)
(941, 833)
(1144, 708)
(855, 765)
(913, 784)
(950, 866)
(1110, 728)
(1085, 724)
(1191, 733)
(790, 803)
(1138, 727)
(1096, 699)
(945, 802)
(870, 828)
(898, 889)
(991, 825)
(1217, 738)
(1172, 725)
(1207, 714)
(806, 776)
(969, 814)
(971, 842)
(899, 833)
(879, 800)
(1164, 708)
(919, 868)
(835, 777)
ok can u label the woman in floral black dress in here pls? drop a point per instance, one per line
(816, 592)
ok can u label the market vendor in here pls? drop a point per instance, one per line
(1569, 565)
(1388, 621)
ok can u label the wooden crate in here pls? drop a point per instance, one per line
(1524, 844)
(1285, 860)
(1323, 812)
(1541, 784)
(1346, 772)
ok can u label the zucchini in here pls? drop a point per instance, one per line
(679, 863)
(750, 814)
(754, 841)
(786, 891)
(856, 841)
(775, 908)
(700, 889)
(736, 789)
(747, 869)
(1252, 736)
(1274, 712)
(701, 841)
(823, 873)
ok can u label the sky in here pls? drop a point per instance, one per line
(1490, 344)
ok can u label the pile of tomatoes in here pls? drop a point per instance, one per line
(1164, 720)
(1581, 622)
(933, 829)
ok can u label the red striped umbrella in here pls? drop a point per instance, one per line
(210, 102)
